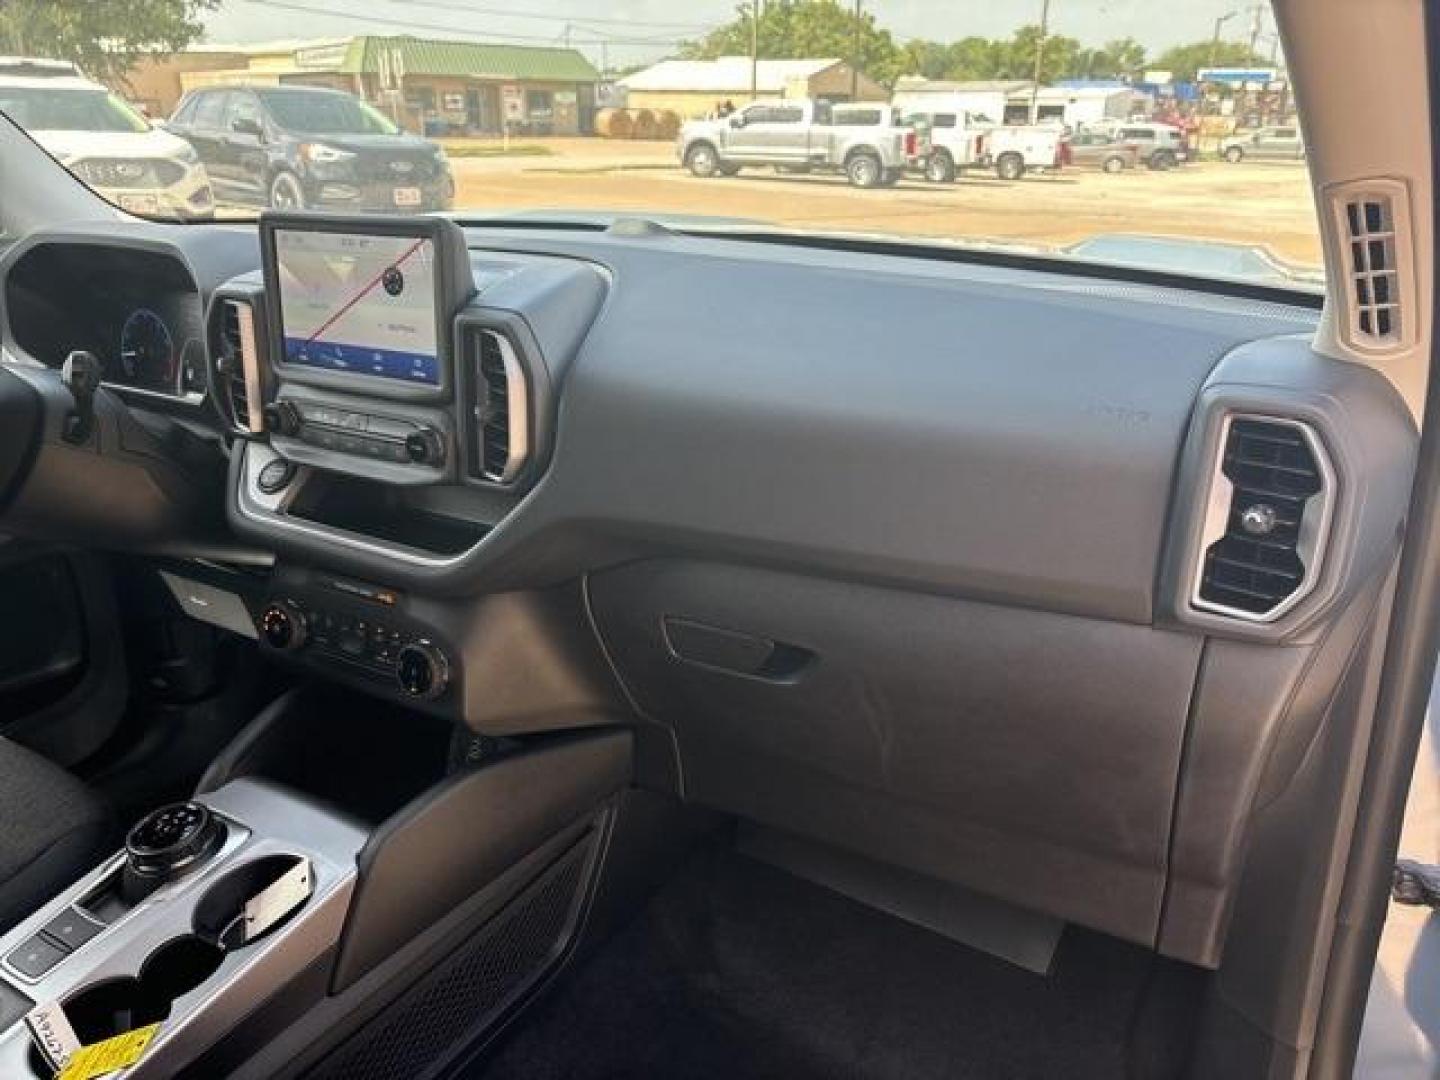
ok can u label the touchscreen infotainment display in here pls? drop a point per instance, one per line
(359, 304)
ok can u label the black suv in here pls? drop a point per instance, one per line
(297, 147)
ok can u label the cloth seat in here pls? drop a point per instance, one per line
(53, 828)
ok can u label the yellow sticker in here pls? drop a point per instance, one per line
(116, 1052)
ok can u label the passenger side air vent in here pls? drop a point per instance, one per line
(1372, 222)
(1268, 516)
(237, 361)
(499, 409)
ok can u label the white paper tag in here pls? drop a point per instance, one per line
(51, 1030)
(276, 900)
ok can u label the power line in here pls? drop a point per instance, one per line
(659, 39)
(411, 24)
(472, 9)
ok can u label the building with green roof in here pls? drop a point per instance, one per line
(439, 87)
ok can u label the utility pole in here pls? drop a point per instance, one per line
(1215, 38)
(855, 56)
(1257, 13)
(1039, 61)
(754, 49)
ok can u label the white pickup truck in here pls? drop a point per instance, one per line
(862, 140)
(949, 143)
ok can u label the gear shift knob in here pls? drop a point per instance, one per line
(166, 844)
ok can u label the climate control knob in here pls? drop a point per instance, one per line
(422, 671)
(425, 447)
(283, 626)
(283, 418)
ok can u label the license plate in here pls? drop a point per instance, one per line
(139, 204)
(407, 196)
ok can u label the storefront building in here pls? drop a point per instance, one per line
(427, 86)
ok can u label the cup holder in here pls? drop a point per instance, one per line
(115, 1006)
(180, 965)
(220, 911)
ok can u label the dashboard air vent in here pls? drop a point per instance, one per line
(500, 444)
(1372, 223)
(1267, 520)
(1370, 227)
(238, 364)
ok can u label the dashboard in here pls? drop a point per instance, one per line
(900, 553)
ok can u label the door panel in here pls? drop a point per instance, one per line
(63, 676)
(42, 645)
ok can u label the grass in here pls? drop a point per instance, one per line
(473, 148)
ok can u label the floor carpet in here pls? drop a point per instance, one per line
(736, 969)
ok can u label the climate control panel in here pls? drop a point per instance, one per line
(398, 440)
(367, 643)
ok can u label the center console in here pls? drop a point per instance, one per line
(158, 934)
(337, 857)
(391, 397)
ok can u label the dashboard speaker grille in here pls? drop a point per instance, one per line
(1269, 509)
(500, 443)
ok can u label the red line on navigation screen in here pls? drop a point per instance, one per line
(329, 322)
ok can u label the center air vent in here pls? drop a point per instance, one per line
(1268, 516)
(499, 410)
(238, 364)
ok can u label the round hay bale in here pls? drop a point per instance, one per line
(644, 125)
(614, 124)
(667, 123)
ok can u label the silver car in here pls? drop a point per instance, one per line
(1266, 144)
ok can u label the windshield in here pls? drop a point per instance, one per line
(326, 114)
(66, 108)
(1118, 131)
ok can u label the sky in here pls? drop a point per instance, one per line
(639, 31)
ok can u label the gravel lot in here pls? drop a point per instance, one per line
(1263, 204)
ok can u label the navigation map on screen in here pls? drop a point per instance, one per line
(362, 304)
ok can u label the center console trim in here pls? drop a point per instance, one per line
(269, 511)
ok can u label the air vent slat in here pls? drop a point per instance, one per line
(1368, 220)
(231, 362)
(499, 445)
(1260, 555)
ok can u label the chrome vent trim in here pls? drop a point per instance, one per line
(501, 410)
(239, 365)
(1306, 537)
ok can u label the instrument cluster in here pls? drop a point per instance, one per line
(138, 312)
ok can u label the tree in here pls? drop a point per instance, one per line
(930, 59)
(1057, 61)
(1122, 58)
(104, 37)
(975, 58)
(1183, 61)
(806, 29)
